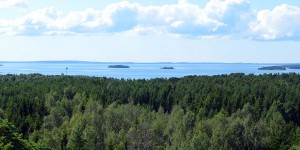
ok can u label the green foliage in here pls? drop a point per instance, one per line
(10, 139)
(234, 111)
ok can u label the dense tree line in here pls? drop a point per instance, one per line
(234, 111)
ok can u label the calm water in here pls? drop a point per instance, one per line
(136, 70)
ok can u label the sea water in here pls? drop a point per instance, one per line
(136, 70)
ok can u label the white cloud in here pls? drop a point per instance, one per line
(219, 18)
(281, 23)
(35, 23)
(83, 22)
(13, 3)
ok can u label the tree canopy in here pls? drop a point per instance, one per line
(235, 111)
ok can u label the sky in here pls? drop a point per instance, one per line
(250, 31)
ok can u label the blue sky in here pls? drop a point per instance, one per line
(151, 30)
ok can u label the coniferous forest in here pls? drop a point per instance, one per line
(233, 111)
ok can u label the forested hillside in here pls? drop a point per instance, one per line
(234, 111)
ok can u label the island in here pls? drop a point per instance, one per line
(118, 66)
(272, 68)
(167, 68)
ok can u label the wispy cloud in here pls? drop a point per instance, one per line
(219, 18)
(13, 3)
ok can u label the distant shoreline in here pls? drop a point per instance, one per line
(136, 70)
(88, 62)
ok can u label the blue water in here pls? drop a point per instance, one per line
(136, 70)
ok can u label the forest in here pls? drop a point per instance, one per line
(236, 111)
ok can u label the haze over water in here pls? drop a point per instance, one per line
(136, 70)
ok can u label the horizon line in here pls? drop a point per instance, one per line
(154, 62)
